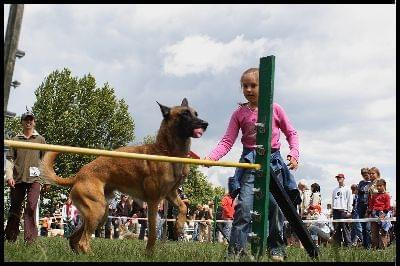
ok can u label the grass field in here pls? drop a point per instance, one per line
(107, 250)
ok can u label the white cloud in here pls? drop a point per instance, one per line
(381, 109)
(201, 53)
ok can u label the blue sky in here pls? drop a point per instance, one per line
(334, 72)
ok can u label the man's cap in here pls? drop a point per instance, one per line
(27, 114)
(340, 175)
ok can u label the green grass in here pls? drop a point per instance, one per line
(107, 250)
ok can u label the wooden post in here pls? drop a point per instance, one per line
(10, 47)
(258, 237)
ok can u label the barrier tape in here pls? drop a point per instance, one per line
(350, 220)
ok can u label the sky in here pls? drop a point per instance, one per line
(334, 72)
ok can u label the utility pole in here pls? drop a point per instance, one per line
(10, 47)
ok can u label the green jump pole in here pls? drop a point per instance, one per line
(259, 234)
(216, 204)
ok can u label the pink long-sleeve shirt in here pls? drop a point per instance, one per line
(245, 118)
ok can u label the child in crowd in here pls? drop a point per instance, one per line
(197, 215)
(45, 225)
(379, 207)
(374, 176)
(244, 118)
(320, 230)
(315, 195)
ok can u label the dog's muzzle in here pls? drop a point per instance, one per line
(198, 132)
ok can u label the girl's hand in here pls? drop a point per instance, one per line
(292, 163)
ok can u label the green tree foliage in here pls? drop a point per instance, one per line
(149, 139)
(198, 189)
(12, 126)
(73, 111)
(219, 192)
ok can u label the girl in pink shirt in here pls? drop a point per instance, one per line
(242, 183)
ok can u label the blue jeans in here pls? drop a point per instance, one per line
(227, 228)
(241, 225)
(365, 227)
(195, 234)
(385, 225)
(316, 231)
(356, 229)
(159, 226)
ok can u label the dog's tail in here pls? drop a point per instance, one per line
(47, 171)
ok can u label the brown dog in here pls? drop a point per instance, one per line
(150, 181)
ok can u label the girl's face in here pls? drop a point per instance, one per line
(373, 175)
(380, 188)
(250, 87)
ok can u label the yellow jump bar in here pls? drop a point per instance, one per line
(69, 149)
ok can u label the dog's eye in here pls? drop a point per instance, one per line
(187, 113)
(195, 113)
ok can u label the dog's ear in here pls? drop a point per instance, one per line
(164, 110)
(185, 102)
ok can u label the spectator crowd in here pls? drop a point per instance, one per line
(367, 199)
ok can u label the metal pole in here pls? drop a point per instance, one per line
(216, 201)
(130, 155)
(10, 47)
(266, 180)
(258, 237)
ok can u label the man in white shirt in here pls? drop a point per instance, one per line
(342, 201)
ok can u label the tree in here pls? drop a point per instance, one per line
(73, 111)
(198, 189)
(149, 139)
(219, 192)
